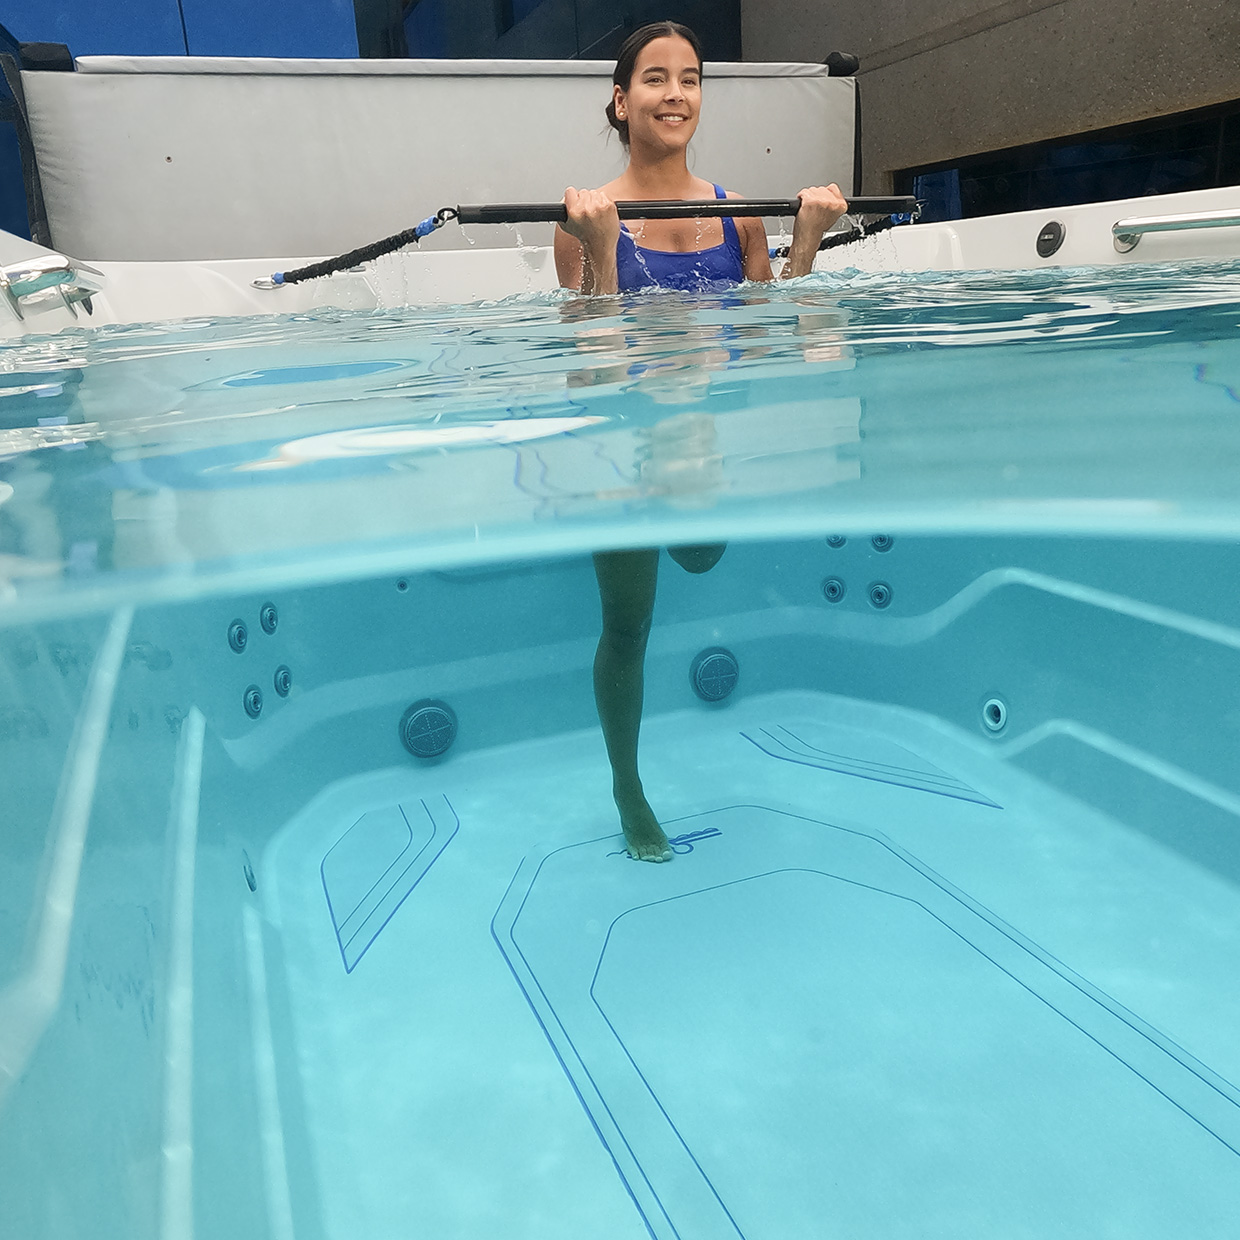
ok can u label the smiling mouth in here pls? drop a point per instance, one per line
(670, 116)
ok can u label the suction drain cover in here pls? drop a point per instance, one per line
(428, 728)
(714, 674)
(1050, 238)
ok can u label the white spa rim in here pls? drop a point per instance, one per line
(1171, 228)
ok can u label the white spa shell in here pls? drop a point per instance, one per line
(185, 179)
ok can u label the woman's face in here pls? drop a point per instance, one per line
(664, 96)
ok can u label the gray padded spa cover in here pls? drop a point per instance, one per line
(203, 158)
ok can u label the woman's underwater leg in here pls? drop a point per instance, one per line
(626, 585)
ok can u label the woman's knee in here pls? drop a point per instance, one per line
(698, 559)
(626, 636)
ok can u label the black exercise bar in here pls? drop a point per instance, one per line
(689, 208)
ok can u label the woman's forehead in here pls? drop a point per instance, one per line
(670, 52)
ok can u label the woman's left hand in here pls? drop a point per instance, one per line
(821, 207)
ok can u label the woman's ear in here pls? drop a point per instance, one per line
(618, 103)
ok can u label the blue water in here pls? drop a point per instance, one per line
(917, 969)
(303, 446)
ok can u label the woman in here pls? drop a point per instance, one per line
(656, 100)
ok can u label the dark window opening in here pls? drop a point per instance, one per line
(562, 29)
(380, 28)
(509, 12)
(1170, 154)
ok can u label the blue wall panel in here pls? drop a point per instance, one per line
(99, 27)
(272, 28)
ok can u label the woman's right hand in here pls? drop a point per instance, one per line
(592, 219)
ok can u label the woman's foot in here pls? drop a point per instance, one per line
(642, 833)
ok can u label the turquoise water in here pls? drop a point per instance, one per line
(948, 945)
(178, 458)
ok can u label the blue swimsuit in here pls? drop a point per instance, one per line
(690, 271)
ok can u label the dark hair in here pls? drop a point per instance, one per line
(626, 62)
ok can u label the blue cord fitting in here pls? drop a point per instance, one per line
(277, 277)
(427, 226)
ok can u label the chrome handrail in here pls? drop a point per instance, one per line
(1128, 232)
(47, 281)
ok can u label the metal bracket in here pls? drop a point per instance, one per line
(48, 282)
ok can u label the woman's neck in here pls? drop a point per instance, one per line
(652, 176)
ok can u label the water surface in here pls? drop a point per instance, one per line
(169, 460)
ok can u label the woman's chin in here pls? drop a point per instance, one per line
(668, 143)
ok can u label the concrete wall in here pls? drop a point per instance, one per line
(963, 77)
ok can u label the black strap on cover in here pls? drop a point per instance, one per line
(53, 57)
(36, 209)
(857, 170)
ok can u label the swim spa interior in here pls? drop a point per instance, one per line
(945, 744)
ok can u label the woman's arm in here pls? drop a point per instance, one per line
(585, 246)
(755, 256)
(569, 259)
(821, 207)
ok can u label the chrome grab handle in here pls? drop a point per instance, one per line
(49, 280)
(1128, 232)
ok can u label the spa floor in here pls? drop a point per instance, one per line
(890, 986)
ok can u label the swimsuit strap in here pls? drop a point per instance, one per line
(730, 235)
